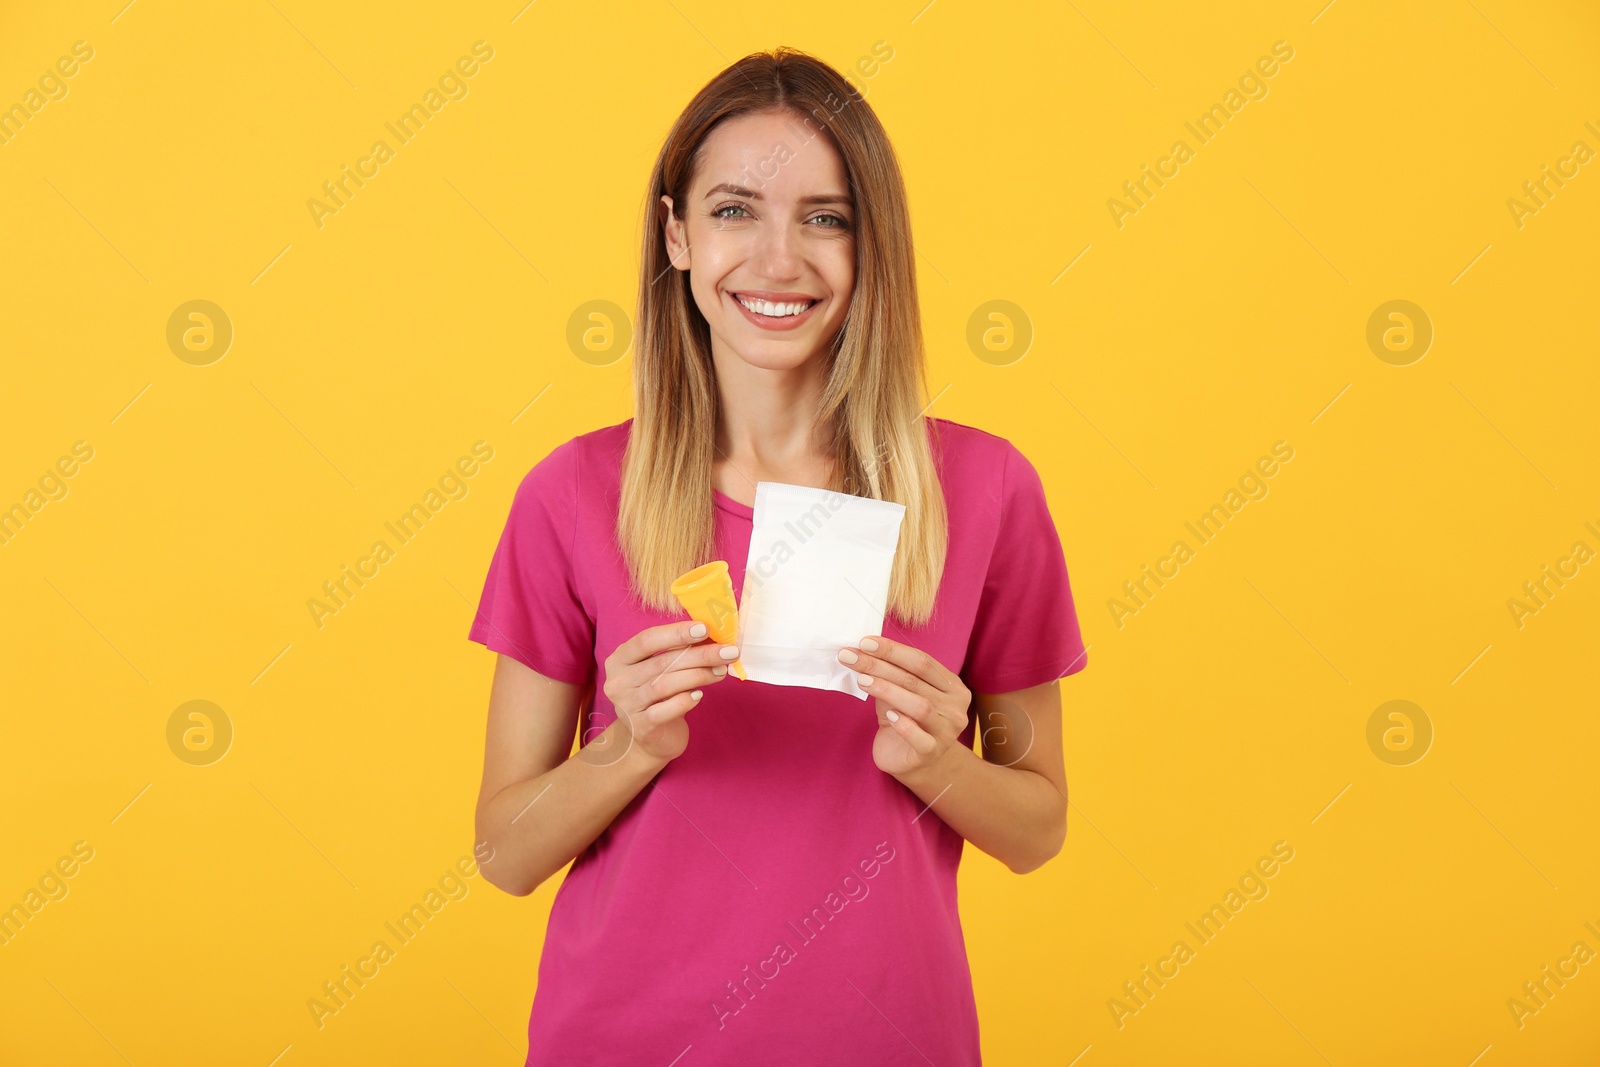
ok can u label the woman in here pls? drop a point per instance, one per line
(767, 874)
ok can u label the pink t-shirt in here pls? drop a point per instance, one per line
(772, 897)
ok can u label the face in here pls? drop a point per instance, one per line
(768, 239)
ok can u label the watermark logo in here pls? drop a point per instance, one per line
(1139, 191)
(339, 591)
(999, 332)
(1539, 191)
(51, 887)
(599, 333)
(1538, 992)
(872, 466)
(600, 749)
(1542, 588)
(340, 990)
(1006, 731)
(52, 87)
(52, 486)
(1399, 733)
(199, 332)
(1399, 333)
(1138, 992)
(870, 66)
(852, 887)
(1141, 590)
(452, 86)
(199, 733)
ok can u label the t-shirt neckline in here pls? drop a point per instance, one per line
(727, 503)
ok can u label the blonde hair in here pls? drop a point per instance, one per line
(872, 403)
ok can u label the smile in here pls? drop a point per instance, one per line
(774, 314)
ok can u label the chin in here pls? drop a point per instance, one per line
(787, 357)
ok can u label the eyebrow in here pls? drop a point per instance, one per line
(739, 190)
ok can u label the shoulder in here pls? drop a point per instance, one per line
(588, 454)
(603, 447)
(586, 463)
(961, 443)
(973, 461)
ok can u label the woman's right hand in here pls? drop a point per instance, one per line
(652, 680)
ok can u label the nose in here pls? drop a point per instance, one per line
(778, 254)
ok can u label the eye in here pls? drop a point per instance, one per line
(839, 221)
(717, 213)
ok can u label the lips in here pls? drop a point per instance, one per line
(783, 304)
(775, 306)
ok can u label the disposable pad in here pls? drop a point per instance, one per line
(816, 581)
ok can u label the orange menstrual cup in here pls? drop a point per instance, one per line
(706, 593)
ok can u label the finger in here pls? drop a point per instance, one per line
(652, 639)
(664, 687)
(875, 668)
(920, 740)
(912, 705)
(694, 656)
(706, 654)
(913, 661)
(668, 710)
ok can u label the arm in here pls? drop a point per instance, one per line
(1012, 802)
(541, 804)
(538, 808)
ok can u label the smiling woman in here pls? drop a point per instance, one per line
(779, 341)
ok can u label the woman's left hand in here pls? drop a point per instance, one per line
(921, 706)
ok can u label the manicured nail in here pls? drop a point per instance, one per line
(719, 671)
(696, 695)
(730, 652)
(846, 656)
(867, 644)
(865, 679)
(697, 630)
(891, 715)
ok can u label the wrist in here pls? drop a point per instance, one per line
(616, 749)
(639, 761)
(931, 779)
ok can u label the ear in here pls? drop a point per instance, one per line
(676, 234)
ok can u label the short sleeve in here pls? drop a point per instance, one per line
(530, 609)
(1026, 630)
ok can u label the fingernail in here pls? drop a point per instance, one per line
(719, 671)
(696, 695)
(867, 644)
(846, 656)
(730, 652)
(892, 715)
(698, 630)
(865, 679)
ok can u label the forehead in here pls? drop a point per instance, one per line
(776, 154)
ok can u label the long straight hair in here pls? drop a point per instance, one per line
(871, 407)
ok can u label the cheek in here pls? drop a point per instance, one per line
(722, 318)
(839, 270)
(706, 296)
(715, 254)
(843, 297)
(704, 269)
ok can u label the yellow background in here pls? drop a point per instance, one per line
(1229, 313)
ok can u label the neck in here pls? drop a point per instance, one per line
(766, 425)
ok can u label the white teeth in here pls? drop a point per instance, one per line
(777, 311)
